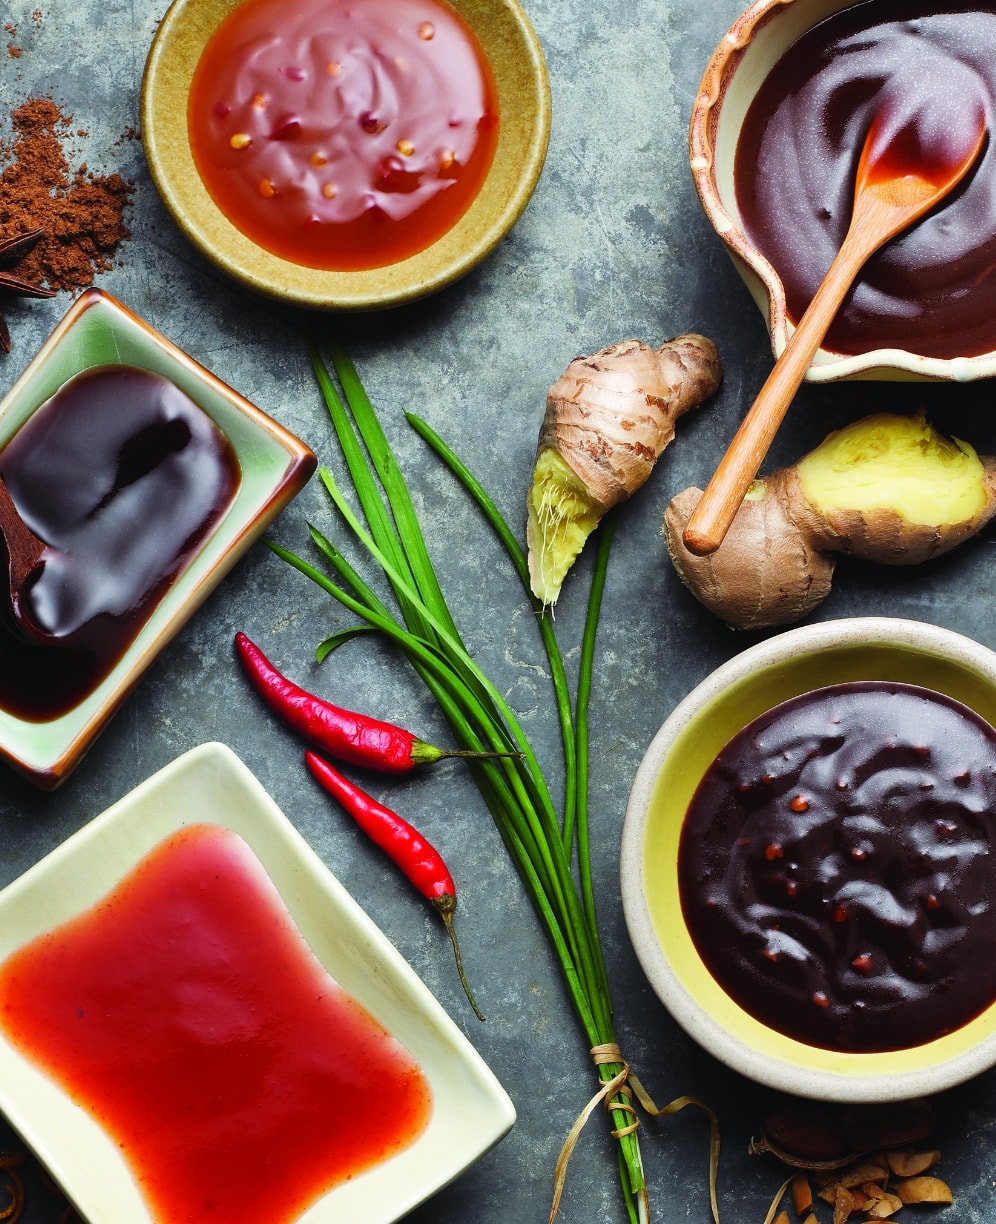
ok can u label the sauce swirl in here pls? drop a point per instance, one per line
(932, 290)
(343, 136)
(836, 867)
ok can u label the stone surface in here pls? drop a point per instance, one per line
(612, 245)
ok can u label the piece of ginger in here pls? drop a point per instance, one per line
(608, 419)
(887, 488)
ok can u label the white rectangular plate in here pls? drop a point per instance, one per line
(471, 1111)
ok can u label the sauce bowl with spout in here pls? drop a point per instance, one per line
(746, 59)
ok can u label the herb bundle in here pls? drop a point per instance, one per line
(549, 851)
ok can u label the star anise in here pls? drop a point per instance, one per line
(11, 250)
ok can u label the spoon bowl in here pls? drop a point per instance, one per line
(891, 193)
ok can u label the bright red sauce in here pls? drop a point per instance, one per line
(186, 1014)
(341, 135)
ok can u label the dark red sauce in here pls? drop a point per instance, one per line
(836, 867)
(341, 135)
(187, 1015)
(925, 72)
(122, 476)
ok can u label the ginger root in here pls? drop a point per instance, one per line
(887, 488)
(608, 419)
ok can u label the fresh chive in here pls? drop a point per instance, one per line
(550, 852)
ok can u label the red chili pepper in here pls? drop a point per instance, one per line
(354, 738)
(404, 845)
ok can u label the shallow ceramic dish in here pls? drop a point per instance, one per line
(871, 648)
(274, 465)
(519, 68)
(737, 68)
(471, 1112)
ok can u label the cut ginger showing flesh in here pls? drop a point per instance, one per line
(888, 488)
(608, 419)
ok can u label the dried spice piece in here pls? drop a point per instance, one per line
(80, 213)
(11, 1187)
(870, 1184)
(807, 1135)
(11, 251)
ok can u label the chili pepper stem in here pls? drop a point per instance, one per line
(445, 905)
(423, 753)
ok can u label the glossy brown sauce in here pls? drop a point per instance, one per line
(836, 867)
(122, 476)
(930, 70)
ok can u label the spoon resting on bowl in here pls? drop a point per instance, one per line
(898, 181)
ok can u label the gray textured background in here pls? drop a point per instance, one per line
(613, 244)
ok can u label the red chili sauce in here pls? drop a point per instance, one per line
(341, 135)
(836, 867)
(187, 1015)
(932, 290)
(122, 476)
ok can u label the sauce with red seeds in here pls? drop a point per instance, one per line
(187, 1015)
(836, 867)
(930, 72)
(343, 135)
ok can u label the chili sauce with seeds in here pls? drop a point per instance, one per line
(186, 1014)
(836, 867)
(933, 68)
(122, 476)
(342, 135)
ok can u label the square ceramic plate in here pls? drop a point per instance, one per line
(471, 1112)
(98, 330)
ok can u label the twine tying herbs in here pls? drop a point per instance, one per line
(616, 1096)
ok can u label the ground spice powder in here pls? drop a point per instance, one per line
(82, 213)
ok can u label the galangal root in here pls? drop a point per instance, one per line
(608, 419)
(888, 489)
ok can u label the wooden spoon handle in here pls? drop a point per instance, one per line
(710, 520)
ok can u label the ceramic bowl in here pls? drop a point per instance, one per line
(274, 466)
(733, 75)
(471, 1112)
(726, 701)
(520, 74)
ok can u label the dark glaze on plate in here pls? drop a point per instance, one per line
(122, 476)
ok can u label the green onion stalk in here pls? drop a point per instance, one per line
(549, 851)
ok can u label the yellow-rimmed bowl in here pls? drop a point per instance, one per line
(833, 652)
(517, 62)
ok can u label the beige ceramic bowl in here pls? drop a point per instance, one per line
(741, 62)
(872, 648)
(519, 68)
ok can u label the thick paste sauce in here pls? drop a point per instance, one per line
(188, 1016)
(836, 867)
(122, 476)
(341, 135)
(932, 68)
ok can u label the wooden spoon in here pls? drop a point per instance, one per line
(24, 554)
(889, 195)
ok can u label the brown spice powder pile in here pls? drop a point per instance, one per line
(81, 213)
